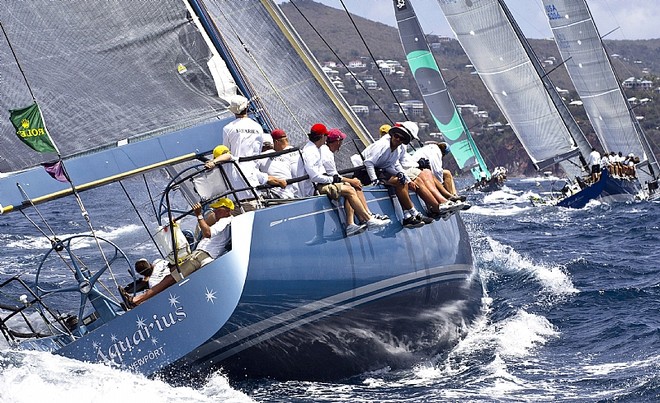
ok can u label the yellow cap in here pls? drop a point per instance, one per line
(224, 202)
(219, 150)
(384, 129)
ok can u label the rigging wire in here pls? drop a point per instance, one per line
(261, 71)
(359, 82)
(144, 224)
(374, 60)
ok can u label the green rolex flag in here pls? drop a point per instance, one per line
(30, 128)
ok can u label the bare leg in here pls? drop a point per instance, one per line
(448, 180)
(350, 212)
(351, 197)
(401, 193)
(427, 177)
(426, 195)
(441, 188)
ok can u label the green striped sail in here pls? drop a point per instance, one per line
(434, 91)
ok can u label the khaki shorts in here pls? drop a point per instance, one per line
(413, 173)
(333, 190)
(192, 263)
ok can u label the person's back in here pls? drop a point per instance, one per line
(160, 269)
(244, 137)
(594, 158)
(279, 167)
(433, 154)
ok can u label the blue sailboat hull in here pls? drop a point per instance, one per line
(607, 189)
(338, 308)
(295, 298)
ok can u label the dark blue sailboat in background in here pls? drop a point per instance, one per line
(515, 78)
(143, 88)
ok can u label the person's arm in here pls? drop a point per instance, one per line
(203, 226)
(312, 162)
(217, 160)
(355, 182)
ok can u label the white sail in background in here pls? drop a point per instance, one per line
(594, 79)
(510, 72)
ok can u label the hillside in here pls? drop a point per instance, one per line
(640, 59)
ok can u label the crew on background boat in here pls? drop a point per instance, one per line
(605, 163)
(482, 176)
(629, 165)
(215, 239)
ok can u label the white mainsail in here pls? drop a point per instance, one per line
(513, 76)
(593, 76)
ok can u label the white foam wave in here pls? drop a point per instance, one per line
(553, 279)
(622, 367)
(518, 336)
(506, 211)
(41, 243)
(535, 179)
(38, 376)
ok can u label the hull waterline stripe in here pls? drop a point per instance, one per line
(317, 310)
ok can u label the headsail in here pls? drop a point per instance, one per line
(515, 80)
(282, 71)
(434, 91)
(591, 71)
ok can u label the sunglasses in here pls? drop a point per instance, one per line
(398, 137)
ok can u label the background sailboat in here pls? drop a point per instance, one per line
(513, 76)
(595, 80)
(435, 93)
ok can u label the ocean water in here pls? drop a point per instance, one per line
(571, 314)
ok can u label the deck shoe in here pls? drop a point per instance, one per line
(335, 235)
(375, 223)
(317, 240)
(465, 206)
(435, 215)
(353, 229)
(426, 220)
(412, 222)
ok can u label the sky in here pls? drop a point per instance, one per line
(635, 19)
